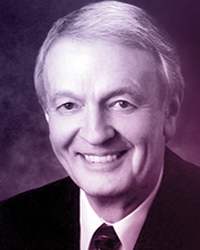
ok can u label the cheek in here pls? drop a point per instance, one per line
(61, 131)
(137, 128)
(144, 133)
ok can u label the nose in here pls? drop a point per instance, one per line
(95, 127)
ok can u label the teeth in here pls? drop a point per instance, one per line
(100, 159)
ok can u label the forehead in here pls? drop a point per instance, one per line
(66, 46)
(71, 63)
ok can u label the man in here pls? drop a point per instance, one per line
(110, 85)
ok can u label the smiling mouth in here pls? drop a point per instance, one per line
(103, 159)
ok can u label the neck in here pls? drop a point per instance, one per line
(113, 209)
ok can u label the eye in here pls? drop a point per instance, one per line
(69, 107)
(122, 104)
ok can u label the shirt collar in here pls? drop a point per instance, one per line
(127, 229)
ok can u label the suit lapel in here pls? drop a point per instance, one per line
(71, 227)
(164, 221)
(65, 216)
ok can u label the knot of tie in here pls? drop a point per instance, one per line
(105, 238)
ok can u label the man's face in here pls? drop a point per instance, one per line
(105, 117)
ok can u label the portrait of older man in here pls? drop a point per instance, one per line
(110, 85)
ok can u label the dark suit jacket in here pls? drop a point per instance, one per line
(48, 217)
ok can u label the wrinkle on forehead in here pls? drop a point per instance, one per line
(94, 66)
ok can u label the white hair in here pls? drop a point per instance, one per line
(119, 23)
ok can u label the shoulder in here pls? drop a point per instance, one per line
(173, 221)
(39, 213)
(181, 183)
(177, 203)
(181, 174)
(43, 195)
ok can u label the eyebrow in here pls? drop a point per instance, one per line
(132, 90)
(62, 94)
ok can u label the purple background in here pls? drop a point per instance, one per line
(26, 158)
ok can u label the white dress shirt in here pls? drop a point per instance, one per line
(127, 229)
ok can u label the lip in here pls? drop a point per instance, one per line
(106, 158)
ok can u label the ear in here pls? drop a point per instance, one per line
(171, 113)
(46, 115)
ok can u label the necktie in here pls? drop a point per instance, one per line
(105, 238)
